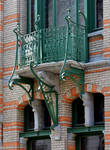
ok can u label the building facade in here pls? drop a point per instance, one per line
(54, 75)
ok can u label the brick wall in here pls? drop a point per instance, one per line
(96, 49)
(13, 102)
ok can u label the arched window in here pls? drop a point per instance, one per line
(90, 136)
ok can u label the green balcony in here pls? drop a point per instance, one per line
(53, 44)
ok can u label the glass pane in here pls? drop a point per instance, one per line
(98, 108)
(81, 8)
(29, 118)
(62, 6)
(41, 145)
(32, 15)
(99, 13)
(92, 143)
(48, 11)
(78, 112)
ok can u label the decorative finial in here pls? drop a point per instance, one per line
(36, 25)
(68, 11)
(17, 29)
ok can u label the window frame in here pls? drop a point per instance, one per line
(39, 10)
(39, 7)
(92, 16)
(26, 120)
(85, 131)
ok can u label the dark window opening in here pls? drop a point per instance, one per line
(28, 118)
(92, 142)
(48, 13)
(43, 144)
(98, 108)
(32, 15)
(99, 13)
(78, 113)
(46, 116)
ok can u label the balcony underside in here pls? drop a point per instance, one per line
(53, 67)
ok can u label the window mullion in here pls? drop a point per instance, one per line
(28, 16)
(54, 16)
(77, 11)
(36, 9)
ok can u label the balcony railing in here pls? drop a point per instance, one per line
(52, 45)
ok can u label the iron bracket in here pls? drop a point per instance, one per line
(78, 73)
(47, 92)
(22, 80)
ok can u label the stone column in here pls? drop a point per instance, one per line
(36, 106)
(88, 103)
(36, 121)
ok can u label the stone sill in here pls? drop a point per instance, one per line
(96, 33)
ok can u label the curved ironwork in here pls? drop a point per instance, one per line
(78, 79)
(74, 71)
(19, 81)
(66, 48)
(23, 80)
(16, 31)
(47, 92)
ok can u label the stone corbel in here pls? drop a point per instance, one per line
(57, 133)
(50, 79)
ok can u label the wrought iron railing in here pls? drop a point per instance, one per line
(51, 44)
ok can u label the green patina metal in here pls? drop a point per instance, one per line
(47, 92)
(77, 11)
(21, 80)
(86, 130)
(31, 134)
(54, 13)
(74, 71)
(52, 44)
(28, 81)
(28, 16)
(78, 73)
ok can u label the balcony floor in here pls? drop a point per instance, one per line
(53, 67)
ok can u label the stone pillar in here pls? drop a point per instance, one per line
(88, 103)
(59, 138)
(36, 120)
